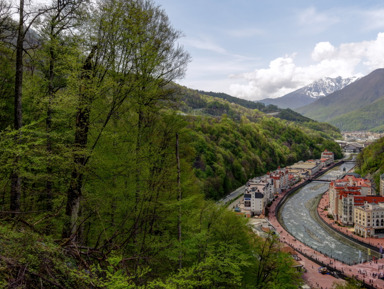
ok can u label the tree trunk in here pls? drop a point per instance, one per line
(74, 192)
(15, 178)
(48, 122)
(179, 198)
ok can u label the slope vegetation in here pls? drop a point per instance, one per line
(371, 161)
(233, 143)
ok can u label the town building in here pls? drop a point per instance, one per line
(260, 191)
(342, 195)
(353, 148)
(262, 185)
(382, 185)
(369, 219)
(305, 169)
(280, 179)
(255, 202)
(328, 155)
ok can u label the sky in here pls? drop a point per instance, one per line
(255, 49)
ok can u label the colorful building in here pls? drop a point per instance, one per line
(342, 195)
(369, 219)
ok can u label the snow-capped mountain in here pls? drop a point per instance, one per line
(311, 92)
(325, 86)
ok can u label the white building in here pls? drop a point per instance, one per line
(328, 155)
(369, 220)
(255, 202)
(279, 179)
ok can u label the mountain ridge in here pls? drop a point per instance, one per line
(357, 106)
(310, 93)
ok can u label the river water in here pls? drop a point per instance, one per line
(298, 221)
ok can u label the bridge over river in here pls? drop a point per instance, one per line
(297, 215)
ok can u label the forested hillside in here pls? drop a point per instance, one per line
(200, 103)
(371, 161)
(228, 153)
(233, 142)
(104, 180)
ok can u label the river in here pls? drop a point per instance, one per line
(296, 217)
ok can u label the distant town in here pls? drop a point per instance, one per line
(261, 191)
(352, 206)
(352, 199)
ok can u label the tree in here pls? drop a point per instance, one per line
(272, 267)
(133, 55)
(57, 33)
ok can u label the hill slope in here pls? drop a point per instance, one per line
(345, 107)
(371, 161)
(369, 117)
(217, 104)
(233, 143)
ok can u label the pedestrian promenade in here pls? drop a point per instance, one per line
(367, 272)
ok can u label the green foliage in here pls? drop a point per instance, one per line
(31, 260)
(371, 161)
(366, 118)
(272, 268)
(245, 103)
(228, 153)
(105, 200)
(6, 89)
(351, 284)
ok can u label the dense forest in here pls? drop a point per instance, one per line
(371, 161)
(234, 142)
(106, 182)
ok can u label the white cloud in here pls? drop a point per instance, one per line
(322, 51)
(245, 33)
(314, 21)
(283, 75)
(205, 43)
(373, 19)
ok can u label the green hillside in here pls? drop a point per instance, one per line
(368, 118)
(371, 161)
(199, 103)
(233, 142)
(228, 152)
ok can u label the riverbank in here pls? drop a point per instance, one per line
(367, 272)
(312, 277)
(348, 232)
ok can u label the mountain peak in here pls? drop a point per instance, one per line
(326, 85)
(311, 92)
(358, 106)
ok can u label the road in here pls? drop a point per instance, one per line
(232, 196)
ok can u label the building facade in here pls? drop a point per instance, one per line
(342, 195)
(329, 156)
(255, 202)
(307, 168)
(369, 220)
(382, 185)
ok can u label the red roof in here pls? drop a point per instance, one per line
(346, 194)
(360, 200)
